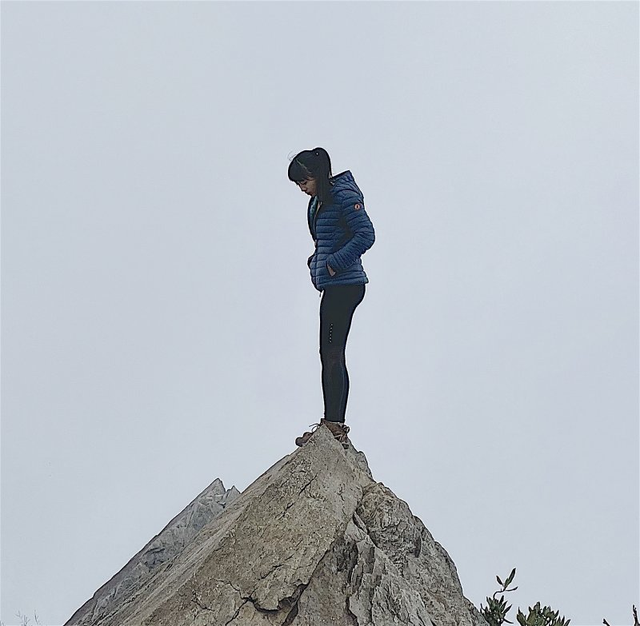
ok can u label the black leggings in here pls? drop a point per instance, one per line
(336, 312)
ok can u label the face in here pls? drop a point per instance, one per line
(308, 186)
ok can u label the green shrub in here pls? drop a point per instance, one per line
(497, 608)
(495, 613)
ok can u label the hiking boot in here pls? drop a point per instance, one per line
(339, 430)
(300, 441)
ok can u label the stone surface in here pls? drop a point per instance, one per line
(162, 548)
(314, 540)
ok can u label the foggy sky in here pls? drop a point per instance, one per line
(160, 330)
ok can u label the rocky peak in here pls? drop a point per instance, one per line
(314, 540)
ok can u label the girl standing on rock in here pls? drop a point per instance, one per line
(342, 232)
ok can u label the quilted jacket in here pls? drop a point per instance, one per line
(342, 232)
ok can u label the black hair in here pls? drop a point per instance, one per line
(313, 164)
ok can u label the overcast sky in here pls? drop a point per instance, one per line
(160, 330)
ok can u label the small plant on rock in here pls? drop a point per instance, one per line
(635, 618)
(495, 613)
(26, 621)
(544, 616)
(497, 608)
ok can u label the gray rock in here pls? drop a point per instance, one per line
(162, 548)
(314, 540)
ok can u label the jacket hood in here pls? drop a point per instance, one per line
(344, 181)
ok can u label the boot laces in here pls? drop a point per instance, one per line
(333, 426)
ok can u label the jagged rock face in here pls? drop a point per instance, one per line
(314, 540)
(178, 533)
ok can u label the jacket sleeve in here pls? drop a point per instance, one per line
(360, 225)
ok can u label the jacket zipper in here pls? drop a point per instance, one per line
(315, 217)
(315, 222)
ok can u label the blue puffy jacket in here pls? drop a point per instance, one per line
(342, 232)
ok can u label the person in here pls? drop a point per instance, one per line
(342, 232)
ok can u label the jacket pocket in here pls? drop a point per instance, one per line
(335, 271)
